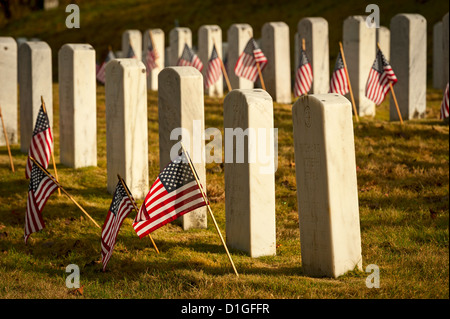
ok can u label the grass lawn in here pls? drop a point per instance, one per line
(403, 186)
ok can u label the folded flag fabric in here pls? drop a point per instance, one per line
(40, 188)
(174, 193)
(121, 207)
(246, 64)
(381, 76)
(189, 58)
(151, 57)
(101, 70)
(214, 70)
(303, 76)
(41, 142)
(339, 83)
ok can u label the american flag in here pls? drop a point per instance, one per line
(444, 105)
(131, 54)
(189, 58)
(102, 68)
(303, 76)
(41, 142)
(214, 70)
(40, 188)
(151, 57)
(380, 76)
(339, 83)
(120, 208)
(246, 64)
(174, 193)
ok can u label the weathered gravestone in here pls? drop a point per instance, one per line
(383, 38)
(8, 89)
(315, 32)
(249, 174)
(181, 117)
(208, 36)
(178, 38)
(77, 105)
(409, 62)
(237, 38)
(438, 57)
(35, 80)
(132, 38)
(445, 53)
(157, 35)
(327, 191)
(277, 72)
(359, 42)
(126, 125)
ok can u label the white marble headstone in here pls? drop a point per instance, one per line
(8, 89)
(327, 192)
(445, 36)
(35, 80)
(181, 110)
(237, 38)
(249, 181)
(277, 72)
(315, 32)
(133, 38)
(126, 125)
(409, 62)
(158, 41)
(384, 40)
(77, 105)
(178, 37)
(209, 35)
(359, 42)
(438, 57)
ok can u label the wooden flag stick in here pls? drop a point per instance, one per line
(7, 142)
(67, 194)
(209, 210)
(51, 148)
(135, 208)
(260, 76)
(393, 95)
(348, 80)
(223, 68)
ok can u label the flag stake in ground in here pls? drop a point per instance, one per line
(51, 149)
(348, 81)
(135, 208)
(223, 69)
(7, 142)
(209, 210)
(260, 76)
(67, 194)
(393, 95)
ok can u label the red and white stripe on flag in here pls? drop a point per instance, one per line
(444, 105)
(120, 208)
(381, 76)
(213, 72)
(101, 73)
(41, 143)
(41, 187)
(246, 66)
(303, 80)
(339, 83)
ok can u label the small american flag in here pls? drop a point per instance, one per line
(444, 105)
(214, 70)
(40, 188)
(339, 83)
(120, 208)
(41, 142)
(151, 57)
(189, 58)
(303, 76)
(131, 54)
(246, 64)
(174, 193)
(380, 76)
(102, 68)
